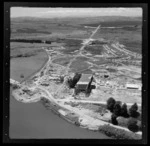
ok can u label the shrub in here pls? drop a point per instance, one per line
(133, 111)
(22, 76)
(139, 124)
(124, 111)
(14, 86)
(122, 121)
(117, 109)
(110, 104)
(132, 121)
(132, 125)
(133, 128)
(113, 119)
(118, 133)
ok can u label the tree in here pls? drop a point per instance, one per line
(119, 102)
(110, 104)
(114, 119)
(124, 111)
(61, 79)
(117, 109)
(133, 111)
(14, 86)
(133, 128)
(76, 78)
(76, 91)
(72, 82)
(135, 106)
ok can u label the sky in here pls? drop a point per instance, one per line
(73, 12)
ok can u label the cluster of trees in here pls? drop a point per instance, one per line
(72, 81)
(118, 109)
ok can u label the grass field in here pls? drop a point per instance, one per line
(78, 65)
(62, 60)
(95, 50)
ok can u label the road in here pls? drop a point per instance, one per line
(88, 101)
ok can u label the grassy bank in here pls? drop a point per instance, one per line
(118, 133)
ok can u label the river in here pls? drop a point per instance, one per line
(33, 120)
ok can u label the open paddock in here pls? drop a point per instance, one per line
(78, 65)
(101, 61)
(62, 60)
(95, 50)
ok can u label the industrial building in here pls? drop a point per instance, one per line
(85, 84)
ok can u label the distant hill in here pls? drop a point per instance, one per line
(93, 21)
(85, 19)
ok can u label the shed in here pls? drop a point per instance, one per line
(133, 86)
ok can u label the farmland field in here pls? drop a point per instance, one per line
(62, 60)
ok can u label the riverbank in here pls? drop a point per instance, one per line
(33, 120)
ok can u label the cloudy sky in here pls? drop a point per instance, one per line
(74, 12)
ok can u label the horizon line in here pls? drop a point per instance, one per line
(72, 16)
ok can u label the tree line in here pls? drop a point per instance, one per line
(117, 109)
(30, 41)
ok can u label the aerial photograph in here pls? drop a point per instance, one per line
(75, 73)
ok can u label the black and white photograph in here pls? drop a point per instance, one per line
(76, 73)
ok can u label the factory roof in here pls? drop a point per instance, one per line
(85, 78)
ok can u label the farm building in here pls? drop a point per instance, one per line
(133, 86)
(85, 84)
